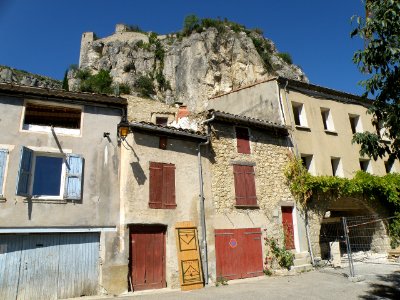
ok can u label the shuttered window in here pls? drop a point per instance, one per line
(50, 175)
(3, 161)
(162, 185)
(243, 141)
(245, 186)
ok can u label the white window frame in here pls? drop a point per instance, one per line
(48, 129)
(338, 170)
(327, 119)
(309, 158)
(301, 114)
(369, 166)
(358, 124)
(392, 168)
(63, 173)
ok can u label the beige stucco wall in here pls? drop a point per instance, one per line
(258, 101)
(137, 152)
(270, 156)
(324, 145)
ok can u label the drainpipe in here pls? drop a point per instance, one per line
(202, 211)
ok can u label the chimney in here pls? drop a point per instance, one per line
(182, 112)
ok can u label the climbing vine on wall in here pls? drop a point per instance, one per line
(385, 189)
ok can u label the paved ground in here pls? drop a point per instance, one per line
(382, 281)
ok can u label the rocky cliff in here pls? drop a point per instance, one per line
(10, 75)
(184, 68)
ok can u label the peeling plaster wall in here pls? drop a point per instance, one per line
(137, 153)
(99, 206)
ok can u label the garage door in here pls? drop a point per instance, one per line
(238, 253)
(48, 266)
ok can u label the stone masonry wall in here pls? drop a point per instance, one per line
(141, 109)
(270, 157)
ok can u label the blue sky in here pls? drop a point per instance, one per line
(43, 36)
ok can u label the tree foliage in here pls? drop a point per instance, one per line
(99, 83)
(383, 189)
(379, 60)
(65, 81)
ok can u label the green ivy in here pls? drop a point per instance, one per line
(385, 189)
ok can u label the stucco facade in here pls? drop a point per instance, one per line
(139, 150)
(97, 209)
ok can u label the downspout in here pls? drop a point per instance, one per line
(202, 210)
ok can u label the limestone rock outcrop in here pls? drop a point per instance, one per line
(188, 69)
(10, 75)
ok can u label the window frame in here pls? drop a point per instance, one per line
(338, 170)
(308, 162)
(250, 201)
(62, 176)
(368, 169)
(357, 125)
(243, 145)
(71, 177)
(47, 129)
(327, 120)
(300, 113)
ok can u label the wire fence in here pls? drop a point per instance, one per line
(354, 239)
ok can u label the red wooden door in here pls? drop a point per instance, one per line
(238, 253)
(287, 223)
(252, 253)
(147, 258)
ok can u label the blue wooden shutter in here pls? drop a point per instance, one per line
(3, 160)
(73, 177)
(24, 172)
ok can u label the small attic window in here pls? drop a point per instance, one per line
(39, 117)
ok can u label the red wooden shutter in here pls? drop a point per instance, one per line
(251, 197)
(240, 185)
(243, 141)
(169, 186)
(156, 185)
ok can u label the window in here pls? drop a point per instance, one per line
(336, 164)
(355, 123)
(382, 131)
(308, 162)
(3, 164)
(389, 167)
(163, 121)
(245, 186)
(243, 140)
(162, 185)
(365, 165)
(299, 114)
(39, 117)
(50, 175)
(163, 142)
(327, 119)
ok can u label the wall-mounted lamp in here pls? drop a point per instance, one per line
(123, 129)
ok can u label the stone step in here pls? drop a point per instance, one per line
(302, 268)
(301, 261)
(301, 255)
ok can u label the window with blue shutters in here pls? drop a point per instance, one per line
(53, 176)
(3, 163)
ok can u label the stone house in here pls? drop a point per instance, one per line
(250, 197)
(59, 192)
(322, 122)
